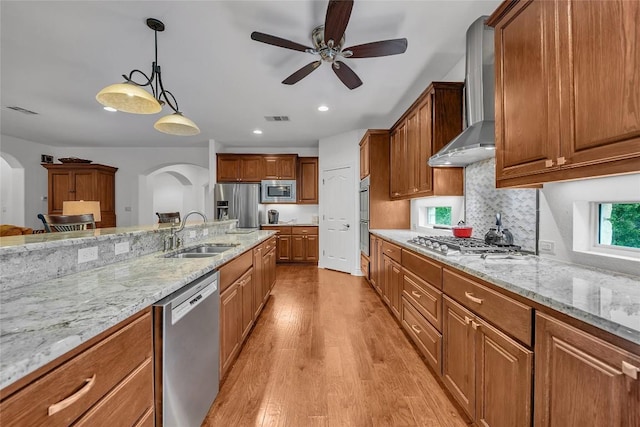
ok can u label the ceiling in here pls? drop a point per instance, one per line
(56, 55)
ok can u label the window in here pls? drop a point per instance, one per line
(618, 225)
(438, 215)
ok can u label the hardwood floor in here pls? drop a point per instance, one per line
(326, 352)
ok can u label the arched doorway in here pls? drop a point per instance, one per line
(12, 189)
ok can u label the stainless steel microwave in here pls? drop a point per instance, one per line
(278, 191)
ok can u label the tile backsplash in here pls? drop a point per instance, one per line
(517, 206)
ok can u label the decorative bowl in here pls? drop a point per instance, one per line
(73, 160)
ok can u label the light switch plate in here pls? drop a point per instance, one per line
(122, 248)
(547, 247)
(87, 254)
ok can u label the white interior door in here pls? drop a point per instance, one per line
(338, 228)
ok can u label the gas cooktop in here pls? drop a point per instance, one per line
(448, 245)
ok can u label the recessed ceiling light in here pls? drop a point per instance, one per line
(110, 109)
(323, 108)
(257, 132)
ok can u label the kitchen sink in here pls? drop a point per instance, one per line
(202, 251)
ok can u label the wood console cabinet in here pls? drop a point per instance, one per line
(107, 381)
(433, 120)
(582, 381)
(83, 181)
(566, 101)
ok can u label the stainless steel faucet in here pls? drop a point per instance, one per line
(172, 241)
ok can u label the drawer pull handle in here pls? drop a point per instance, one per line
(629, 370)
(467, 320)
(415, 294)
(470, 297)
(416, 329)
(57, 407)
(475, 325)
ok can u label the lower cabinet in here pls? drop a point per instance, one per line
(268, 272)
(108, 383)
(230, 326)
(487, 372)
(283, 248)
(582, 381)
(258, 278)
(304, 244)
(392, 285)
(248, 312)
(424, 335)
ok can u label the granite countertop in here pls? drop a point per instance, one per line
(287, 224)
(41, 321)
(607, 300)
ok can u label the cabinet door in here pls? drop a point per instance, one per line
(84, 184)
(503, 378)
(412, 154)
(364, 159)
(398, 171)
(582, 380)
(246, 287)
(458, 357)
(600, 81)
(386, 283)
(251, 169)
(284, 248)
(527, 127)
(380, 267)
(425, 138)
(287, 167)
(59, 190)
(228, 168)
(311, 248)
(394, 286)
(270, 165)
(298, 248)
(258, 279)
(308, 180)
(230, 325)
(272, 271)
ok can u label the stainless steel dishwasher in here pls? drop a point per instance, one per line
(186, 341)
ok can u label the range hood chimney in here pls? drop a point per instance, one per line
(477, 141)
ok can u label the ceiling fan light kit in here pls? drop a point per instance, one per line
(324, 39)
(130, 97)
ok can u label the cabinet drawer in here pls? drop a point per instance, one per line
(87, 377)
(423, 268)
(230, 272)
(278, 228)
(424, 297)
(507, 314)
(428, 340)
(304, 230)
(392, 251)
(269, 244)
(127, 403)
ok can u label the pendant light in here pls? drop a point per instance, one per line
(130, 97)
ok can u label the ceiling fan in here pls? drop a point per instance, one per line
(328, 42)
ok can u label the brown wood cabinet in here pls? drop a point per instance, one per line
(90, 182)
(433, 120)
(365, 163)
(239, 168)
(304, 244)
(566, 102)
(488, 373)
(377, 263)
(307, 180)
(259, 275)
(393, 284)
(383, 212)
(282, 166)
(582, 380)
(230, 326)
(114, 373)
(248, 312)
(269, 265)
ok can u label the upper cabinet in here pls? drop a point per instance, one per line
(239, 168)
(307, 180)
(280, 166)
(82, 181)
(567, 90)
(431, 122)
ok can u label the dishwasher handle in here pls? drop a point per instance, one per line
(182, 309)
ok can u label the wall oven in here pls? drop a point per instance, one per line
(364, 216)
(278, 191)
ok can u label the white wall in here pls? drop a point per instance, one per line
(340, 151)
(557, 202)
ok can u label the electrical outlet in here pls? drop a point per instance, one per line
(127, 208)
(547, 247)
(87, 254)
(122, 248)
(205, 232)
(192, 234)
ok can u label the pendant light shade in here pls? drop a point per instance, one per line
(176, 124)
(129, 98)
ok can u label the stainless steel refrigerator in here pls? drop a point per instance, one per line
(238, 201)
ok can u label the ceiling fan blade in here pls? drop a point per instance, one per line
(335, 23)
(301, 73)
(381, 48)
(347, 75)
(277, 41)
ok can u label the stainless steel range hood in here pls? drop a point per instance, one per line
(477, 141)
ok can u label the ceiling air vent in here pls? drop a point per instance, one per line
(21, 110)
(277, 118)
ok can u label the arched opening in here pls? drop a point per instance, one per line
(12, 189)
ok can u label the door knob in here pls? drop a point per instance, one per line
(347, 225)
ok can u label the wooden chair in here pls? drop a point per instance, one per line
(67, 222)
(168, 217)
